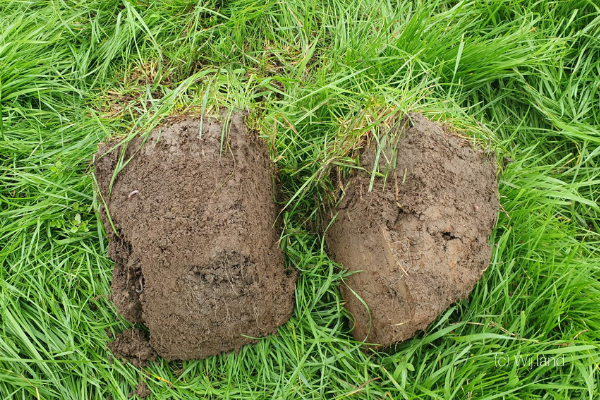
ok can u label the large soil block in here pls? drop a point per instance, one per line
(195, 249)
(418, 241)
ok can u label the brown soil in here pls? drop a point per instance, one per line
(132, 346)
(141, 391)
(196, 256)
(420, 240)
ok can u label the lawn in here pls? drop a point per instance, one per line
(316, 78)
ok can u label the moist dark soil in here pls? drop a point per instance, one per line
(420, 236)
(196, 255)
(132, 346)
(141, 391)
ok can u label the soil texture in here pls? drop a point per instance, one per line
(419, 240)
(132, 346)
(142, 391)
(196, 254)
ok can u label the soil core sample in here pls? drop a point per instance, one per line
(196, 254)
(418, 240)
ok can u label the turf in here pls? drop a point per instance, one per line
(317, 79)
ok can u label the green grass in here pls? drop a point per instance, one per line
(318, 79)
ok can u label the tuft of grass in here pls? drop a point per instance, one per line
(319, 80)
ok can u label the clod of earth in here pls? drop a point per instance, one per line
(418, 241)
(142, 391)
(132, 346)
(196, 255)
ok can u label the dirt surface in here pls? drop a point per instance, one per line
(421, 241)
(142, 391)
(132, 346)
(196, 256)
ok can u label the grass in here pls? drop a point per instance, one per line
(318, 79)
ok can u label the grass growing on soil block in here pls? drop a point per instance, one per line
(317, 79)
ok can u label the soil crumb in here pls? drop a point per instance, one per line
(132, 346)
(141, 391)
(420, 238)
(196, 255)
